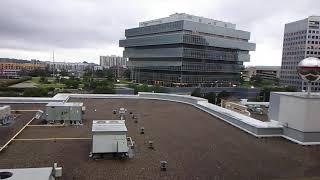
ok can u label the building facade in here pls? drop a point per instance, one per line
(70, 67)
(186, 50)
(11, 68)
(113, 61)
(265, 72)
(301, 40)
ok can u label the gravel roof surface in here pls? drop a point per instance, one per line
(8, 131)
(195, 144)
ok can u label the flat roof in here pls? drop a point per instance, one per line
(109, 126)
(195, 144)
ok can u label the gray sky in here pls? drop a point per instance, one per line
(79, 30)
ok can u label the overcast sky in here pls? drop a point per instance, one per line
(82, 30)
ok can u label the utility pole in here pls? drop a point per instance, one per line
(53, 67)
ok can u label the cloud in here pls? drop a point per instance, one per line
(85, 29)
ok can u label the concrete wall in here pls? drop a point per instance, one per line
(296, 111)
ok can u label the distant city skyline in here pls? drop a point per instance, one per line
(85, 30)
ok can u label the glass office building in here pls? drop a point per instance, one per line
(186, 50)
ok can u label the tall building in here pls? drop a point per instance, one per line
(113, 61)
(301, 40)
(186, 50)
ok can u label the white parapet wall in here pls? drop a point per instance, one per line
(298, 113)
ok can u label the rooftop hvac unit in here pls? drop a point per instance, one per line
(109, 136)
(67, 112)
(5, 115)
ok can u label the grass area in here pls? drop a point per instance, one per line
(51, 83)
(124, 81)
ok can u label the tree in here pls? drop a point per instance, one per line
(35, 92)
(127, 73)
(222, 95)
(100, 73)
(256, 80)
(265, 92)
(71, 83)
(211, 97)
(196, 92)
(110, 75)
(43, 80)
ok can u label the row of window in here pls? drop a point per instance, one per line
(210, 54)
(313, 52)
(295, 33)
(294, 38)
(313, 37)
(313, 42)
(171, 26)
(151, 76)
(290, 62)
(294, 43)
(314, 31)
(293, 53)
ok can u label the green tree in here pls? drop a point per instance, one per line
(196, 92)
(265, 92)
(127, 73)
(43, 80)
(211, 97)
(222, 95)
(35, 92)
(71, 83)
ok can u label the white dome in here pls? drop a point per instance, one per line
(309, 62)
(309, 69)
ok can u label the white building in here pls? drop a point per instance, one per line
(265, 72)
(113, 61)
(70, 66)
(301, 40)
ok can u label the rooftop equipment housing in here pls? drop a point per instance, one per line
(64, 112)
(5, 115)
(109, 136)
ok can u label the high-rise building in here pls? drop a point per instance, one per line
(301, 40)
(113, 61)
(186, 50)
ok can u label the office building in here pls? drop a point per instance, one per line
(74, 68)
(186, 50)
(301, 40)
(265, 72)
(11, 68)
(113, 61)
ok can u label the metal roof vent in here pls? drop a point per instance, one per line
(150, 144)
(5, 175)
(163, 165)
(142, 130)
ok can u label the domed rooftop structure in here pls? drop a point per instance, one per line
(309, 69)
